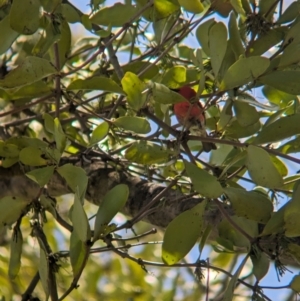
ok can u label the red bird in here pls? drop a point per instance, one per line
(191, 115)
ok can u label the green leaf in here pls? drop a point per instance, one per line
(59, 136)
(235, 37)
(229, 291)
(37, 89)
(164, 95)
(249, 99)
(8, 150)
(8, 36)
(44, 271)
(280, 129)
(96, 83)
(261, 168)
(48, 204)
(138, 66)
(290, 13)
(135, 124)
(244, 71)
(292, 214)
(113, 201)
(266, 41)
(99, 133)
(32, 69)
(292, 146)
(294, 250)
(147, 153)
(133, 87)
(78, 250)
(261, 264)
(287, 81)
(16, 243)
(250, 204)
(32, 156)
(46, 40)
(63, 45)
(202, 34)
(290, 55)
(235, 130)
(280, 166)
(233, 236)
(22, 142)
(41, 175)
(193, 6)
(164, 8)
(275, 96)
(11, 209)
(79, 219)
(24, 16)
(295, 284)
(246, 115)
(264, 7)
(226, 114)
(74, 176)
(217, 41)
(203, 182)
(70, 13)
(49, 123)
(174, 77)
(275, 223)
(182, 234)
(115, 15)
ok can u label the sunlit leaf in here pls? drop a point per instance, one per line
(174, 77)
(133, 87)
(193, 6)
(99, 133)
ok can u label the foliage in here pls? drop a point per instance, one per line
(109, 92)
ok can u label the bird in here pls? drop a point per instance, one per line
(190, 114)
